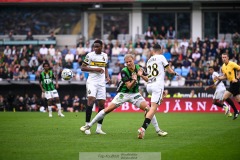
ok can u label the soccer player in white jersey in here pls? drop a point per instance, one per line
(128, 91)
(156, 67)
(96, 64)
(219, 92)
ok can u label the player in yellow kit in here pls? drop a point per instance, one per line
(230, 72)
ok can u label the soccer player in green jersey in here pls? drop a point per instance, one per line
(128, 91)
(48, 89)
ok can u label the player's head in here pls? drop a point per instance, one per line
(225, 58)
(97, 46)
(129, 60)
(210, 69)
(46, 66)
(156, 48)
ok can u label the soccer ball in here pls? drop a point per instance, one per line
(67, 74)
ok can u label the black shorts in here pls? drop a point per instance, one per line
(234, 88)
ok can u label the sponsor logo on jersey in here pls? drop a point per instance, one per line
(89, 92)
(99, 64)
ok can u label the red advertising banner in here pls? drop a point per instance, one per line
(175, 105)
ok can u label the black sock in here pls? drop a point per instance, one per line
(219, 104)
(88, 113)
(230, 102)
(100, 122)
(146, 123)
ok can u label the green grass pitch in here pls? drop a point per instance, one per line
(198, 136)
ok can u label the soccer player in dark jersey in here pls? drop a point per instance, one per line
(230, 72)
(48, 89)
(128, 91)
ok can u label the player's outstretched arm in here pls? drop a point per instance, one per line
(140, 73)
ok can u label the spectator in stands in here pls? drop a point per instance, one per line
(138, 42)
(7, 51)
(10, 36)
(2, 103)
(65, 51)
(184, 44)
(108, 51)
(30, 51)
(23, 75)
(167, 54)
(57, 69)
(207, 41)
(51, 50)
(52, 37)
(43, 50)
(236, 38)
(169, 44)
(212, 50)
(76, 103)
(146, 52)
(29, 36)
(148, 34)
(2, 74)
(57, 56)
(138, 50)
(196, 55)
(115, 50)
(66, 103)
(14, 51)
(73, 50)
(222, 43)
(80, 50)
(123, 49)
(48, 57)
(198, 43)
(167, 82)
(192, 94)
(16, 73)
(131, 50)
(87, 48)
(162, 33)
(191, 77)
(23, 52)
(32, 61)
(215, 43)
(171, 34)
(21, 105)
(114, 33)
(155, 32)
(9, 101)
(33, 103)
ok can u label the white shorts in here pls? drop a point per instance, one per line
(96, 90)
(219, 94)
(50, 94)
(134, 98)
(156, 91)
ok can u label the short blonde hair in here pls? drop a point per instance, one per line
(128, 55)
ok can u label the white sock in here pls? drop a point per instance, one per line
(98, 117)
(99, 126)
(50, 109)
(155, 123)
(59, 108)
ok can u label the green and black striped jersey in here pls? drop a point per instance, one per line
(46, 79)
(126, 75)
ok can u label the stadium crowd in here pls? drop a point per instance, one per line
(188, 58)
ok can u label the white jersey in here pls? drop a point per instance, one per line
(156, 68)
(94, 60)
(221, 85)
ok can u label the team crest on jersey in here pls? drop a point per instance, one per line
(89, 92)
(121, 96)
(229, 73)
(103, 59)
